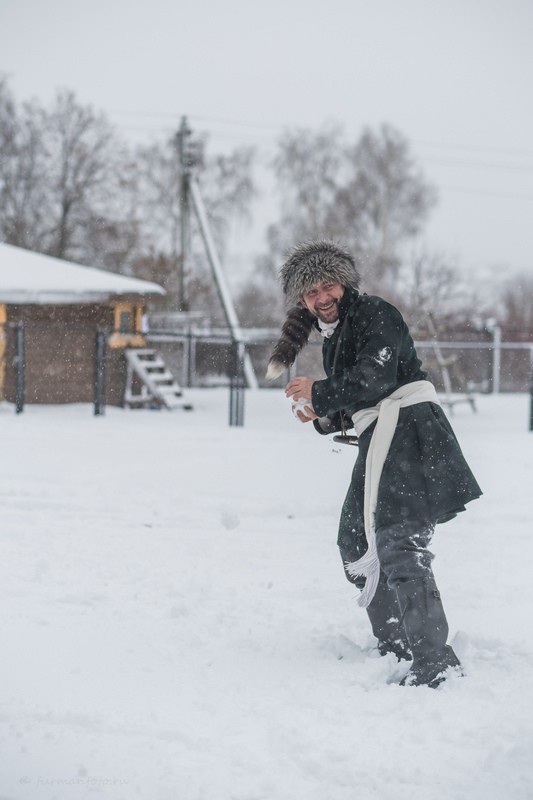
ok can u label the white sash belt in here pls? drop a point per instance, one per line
(386, 412)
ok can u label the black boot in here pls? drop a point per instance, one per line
(384, 615)
(426, 628)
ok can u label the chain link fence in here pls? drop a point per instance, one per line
(201, 358)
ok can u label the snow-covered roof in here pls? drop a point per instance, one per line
(28, 277)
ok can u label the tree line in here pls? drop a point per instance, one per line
(72, 188)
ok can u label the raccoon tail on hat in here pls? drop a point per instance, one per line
(294, 336)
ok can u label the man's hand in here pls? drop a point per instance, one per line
(299, 387)
(303, 410)
(299, 390)
(307, 415)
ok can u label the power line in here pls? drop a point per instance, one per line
(279, 128)
(475, 147)
(265, 158)
(241, 123)
(510, 195)
(478, 164)
(200, 118)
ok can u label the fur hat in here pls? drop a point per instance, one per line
(316, 262)
(308, 264)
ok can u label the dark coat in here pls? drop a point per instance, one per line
(425, 476)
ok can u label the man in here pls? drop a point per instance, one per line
(410, 473)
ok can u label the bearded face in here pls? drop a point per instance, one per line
(323, 300)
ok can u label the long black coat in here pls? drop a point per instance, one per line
(425, 476)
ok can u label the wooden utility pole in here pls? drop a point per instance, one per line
(186, 163)
(191, 199)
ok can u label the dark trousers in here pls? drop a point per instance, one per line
(403, 551)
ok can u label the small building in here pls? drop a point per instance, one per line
(60, 306)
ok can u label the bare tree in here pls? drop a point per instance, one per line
(430, 283)
(69, 187)
(227, 189)
(371, 196)
(385, 203)
(158, 197)
(88, 172)
(23, 194)
(308, 167)
(516, 304)
(64, 180)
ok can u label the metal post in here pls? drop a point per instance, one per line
(186, 359)
(185, 159)
(496, 358)
(237, 383)
(191, 359)
(531, 391)
(19, 368)
(99, 371)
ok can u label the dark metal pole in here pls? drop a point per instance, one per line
(531, 391)
(99, 371)
(237, 384)
(19, 368)
(191, 358)
(185, 159)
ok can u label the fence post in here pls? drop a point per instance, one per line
(20, 388)
(191, 359)
(237, 383)
(99, 371)
(531, 390)
(496, 358)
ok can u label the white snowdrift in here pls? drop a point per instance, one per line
(175, 624)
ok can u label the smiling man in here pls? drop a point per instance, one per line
(323, 301)
(410, 473)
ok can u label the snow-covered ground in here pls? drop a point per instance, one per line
(175, 624)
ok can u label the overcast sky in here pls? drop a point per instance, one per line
(454, 76)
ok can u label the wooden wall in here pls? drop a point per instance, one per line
(59, 353)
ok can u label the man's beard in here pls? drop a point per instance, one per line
(332, 313)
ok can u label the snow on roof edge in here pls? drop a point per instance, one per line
(27, 277)
(22, 298)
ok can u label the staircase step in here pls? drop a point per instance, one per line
(160, 376)
(159, 384)
(169, 391)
